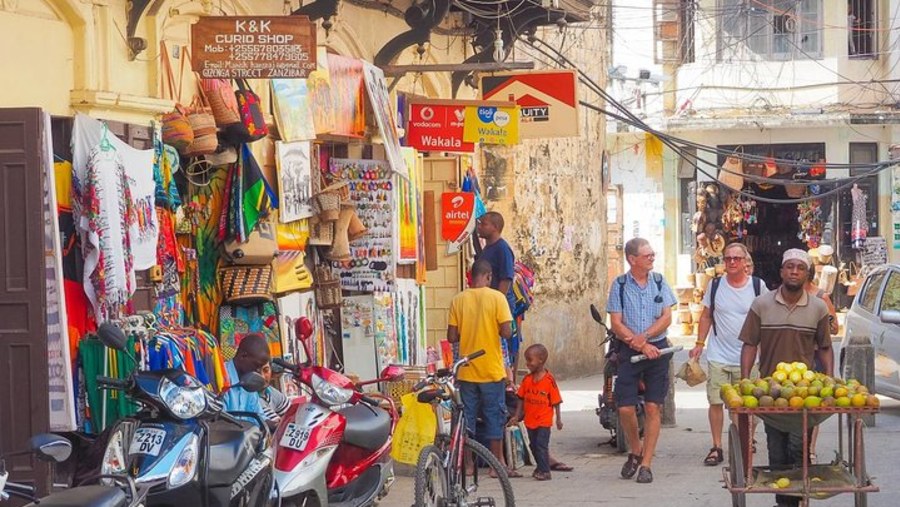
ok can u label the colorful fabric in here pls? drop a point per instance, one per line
(235, 322)
(106, 217)
(254, 198)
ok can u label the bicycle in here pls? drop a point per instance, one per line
(441, 477)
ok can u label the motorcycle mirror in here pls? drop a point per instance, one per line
(393, 373)
(303, 328)
(50, 447)
(596, 314)
(253, 382)
(112, 336)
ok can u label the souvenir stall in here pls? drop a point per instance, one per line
(232, 222)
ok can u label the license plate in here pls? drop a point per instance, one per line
(295, 437)
(147, 441)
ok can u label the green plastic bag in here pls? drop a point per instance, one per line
(415, 429)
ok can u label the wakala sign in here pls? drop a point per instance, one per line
(437, 126)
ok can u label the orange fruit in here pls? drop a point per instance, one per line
(858, 400)
(781, 402)
(842, 401)
(751, 402)
(796, 402)
(795, 376)
(840, 392)
(735, 401)
(779, 376)
(872, 401)
(812, 402)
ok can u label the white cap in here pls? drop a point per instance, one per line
(796, 254)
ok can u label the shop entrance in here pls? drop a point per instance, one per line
(776, 231)
(777, 227)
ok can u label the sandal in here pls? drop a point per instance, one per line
(714, 457)
(542, 476)
(511, 473)
(561, 467)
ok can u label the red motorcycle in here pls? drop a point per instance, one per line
(333, 446)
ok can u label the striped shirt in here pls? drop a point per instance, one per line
(642, 305)
(786, 334)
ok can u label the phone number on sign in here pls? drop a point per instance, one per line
(251, 52)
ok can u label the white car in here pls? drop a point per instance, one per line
(875, 315)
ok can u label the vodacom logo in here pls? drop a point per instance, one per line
(427, 113)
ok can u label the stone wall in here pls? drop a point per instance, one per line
(551, 194)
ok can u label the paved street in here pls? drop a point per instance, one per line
(680, 479)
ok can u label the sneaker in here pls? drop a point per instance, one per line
(644, 476)
(631, 466)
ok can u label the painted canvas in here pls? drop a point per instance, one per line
(294, 175)
(347, 96)
(380, 99)
(407, 215)
(319, 84)
(293, 113)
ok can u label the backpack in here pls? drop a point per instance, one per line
(757, 286)
(621, 280)
(523, 282)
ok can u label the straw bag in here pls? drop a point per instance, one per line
(327, 203)
(320, 233)
(328, 288)
(176, 129)
(260, 248)
(221, 100)
(246, 284)
(252, 126)
(204, 126)
(730, 174)
(855, 278)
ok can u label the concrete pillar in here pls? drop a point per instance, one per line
(859, 363)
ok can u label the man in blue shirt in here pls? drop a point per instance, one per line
(640, 311)
(499, 255)
(252, 355)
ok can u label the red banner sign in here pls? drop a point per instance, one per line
(437, 127)
(457, 215)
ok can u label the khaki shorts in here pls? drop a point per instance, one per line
(721, 374)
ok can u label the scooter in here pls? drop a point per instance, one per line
(54, 448)
(333, 446)
(607, 410)
(184, 443)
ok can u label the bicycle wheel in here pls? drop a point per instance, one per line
(431, 479)
(489, 491)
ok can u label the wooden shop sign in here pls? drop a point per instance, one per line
(253, 47)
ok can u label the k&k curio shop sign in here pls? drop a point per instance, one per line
(253, 47)
(437, 126)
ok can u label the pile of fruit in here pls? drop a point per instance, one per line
(793, 385)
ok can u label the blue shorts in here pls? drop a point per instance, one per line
(654, 373)
(489, 399)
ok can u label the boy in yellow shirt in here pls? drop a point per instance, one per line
(478, 316)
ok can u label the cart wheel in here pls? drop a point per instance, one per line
(736, 466)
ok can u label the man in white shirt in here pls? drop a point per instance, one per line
(725, 305)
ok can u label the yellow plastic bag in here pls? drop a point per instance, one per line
(415, 430)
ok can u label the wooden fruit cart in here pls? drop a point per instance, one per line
(846, 474)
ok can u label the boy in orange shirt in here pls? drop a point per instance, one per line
(539, 398)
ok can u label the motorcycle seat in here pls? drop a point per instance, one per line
(367, 427)
(231, 448)
(86, 496)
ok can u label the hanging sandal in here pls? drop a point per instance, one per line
(714, 457)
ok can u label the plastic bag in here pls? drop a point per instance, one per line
(415, 430)
(691, 372)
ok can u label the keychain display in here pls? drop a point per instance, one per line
(811, 226)
(371, 263)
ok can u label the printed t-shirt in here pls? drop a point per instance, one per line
(539, 398)
(784, 334)
(478, 314)
(732, 305)
(503, 266)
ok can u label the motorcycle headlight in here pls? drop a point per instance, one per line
(114, 457)
(330, 393)
(183, 402)
(185, 465)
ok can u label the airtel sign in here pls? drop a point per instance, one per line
(457, 215)
(437, 127)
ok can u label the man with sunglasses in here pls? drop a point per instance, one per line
(725, 305)
(640, 310)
